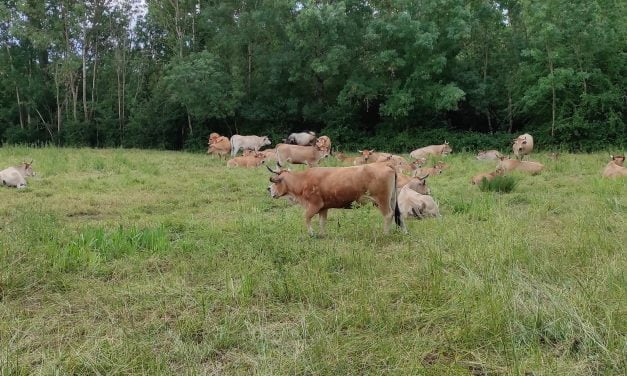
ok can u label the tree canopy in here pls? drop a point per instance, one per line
(390, 74)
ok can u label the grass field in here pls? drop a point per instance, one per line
(147, 262)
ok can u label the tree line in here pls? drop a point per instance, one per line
(389, 74)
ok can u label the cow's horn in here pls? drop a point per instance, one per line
(423, 177)
(269, 169)
(279, 165)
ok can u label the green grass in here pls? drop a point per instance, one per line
(502, 184)
(147, 262)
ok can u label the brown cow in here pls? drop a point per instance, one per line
(435, 170)
(489, 176)
(364, 158)
(324, 143)
(248, 161)
(508, 165)
(344, 159)
(443, 149)
(296, 154)
(615, 168)
(219, 145)
(319, 189)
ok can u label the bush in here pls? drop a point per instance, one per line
(501, 184)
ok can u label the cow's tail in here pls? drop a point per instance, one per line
(394, 204)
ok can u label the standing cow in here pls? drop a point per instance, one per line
(319, 189)
(219, 145)
(424, 152)
(301, 138)
(309, 155)
(16, 176)
(522, 145)
(248, 142)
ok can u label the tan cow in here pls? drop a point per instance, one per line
(344, 159)
(414, 204)
(435, 170)
(218, 145)
(489, 155)
(324, 143)
(319, 189)
(296, 154)
(522, 145)
(508, 165)
(16, 176)
(426, 151)
(615, 168)
(489, 176)
(270, 154)
(364, 158)
(248, 161)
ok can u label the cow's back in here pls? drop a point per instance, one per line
(11, 177)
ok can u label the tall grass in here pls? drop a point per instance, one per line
(145, 262)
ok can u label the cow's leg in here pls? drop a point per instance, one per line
(322, 216)
(312, 210)
(388, 215)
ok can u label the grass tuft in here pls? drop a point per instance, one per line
(501, 184)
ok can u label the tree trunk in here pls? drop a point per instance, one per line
(19, 106)
(56, 85)
(85, 109)
(510, 110)
(250, 65)
(554, 99)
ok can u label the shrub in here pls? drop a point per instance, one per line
(501, 184)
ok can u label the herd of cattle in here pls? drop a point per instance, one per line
(396, 186)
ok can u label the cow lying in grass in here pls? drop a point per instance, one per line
(615, 168)
(508, 165)
(426, 151)
(16, 176)
(319, 189)
(252, 159)
(489, 176)
(416, 205)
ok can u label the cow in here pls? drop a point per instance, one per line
(344, 159)
(324, 143)
(319, 189)
(508, 165)
(364, 158)
(443, 150)
(489, 176)
(418, 184)
(301, 138)
(296, 154)
(248, 142)
(219, 145)
(435, 170)
(414, 204)
(522, 145)
(488, 155)
(270, 154)
(615, 168)
(248, 161)
(16, 176)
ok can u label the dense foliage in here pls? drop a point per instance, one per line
(391, 74)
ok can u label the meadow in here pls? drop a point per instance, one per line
(151, 262)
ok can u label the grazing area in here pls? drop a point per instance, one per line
(150, 262)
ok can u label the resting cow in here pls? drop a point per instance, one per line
(319, 189)
(248, 142)
(414, 204)
(248, 161)
(615, 168)
(488, 155)
(16, 176)
(296, 154)
(489, 176)
(508, 165)
(426, 151)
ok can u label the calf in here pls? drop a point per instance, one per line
(309, 155)
(443, 150)
(615, 168)
(248, 142)
(508, 165)
(319, 189)
(16, 176)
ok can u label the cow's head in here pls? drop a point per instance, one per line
(418, 163)
(618, 159)
(249, 153)
(446, 148)
(265, 141)
(500, 171)
(419, 184)
(27, 168)
(278, 188)
(366, 154)
(213, 136)
(441, 165)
